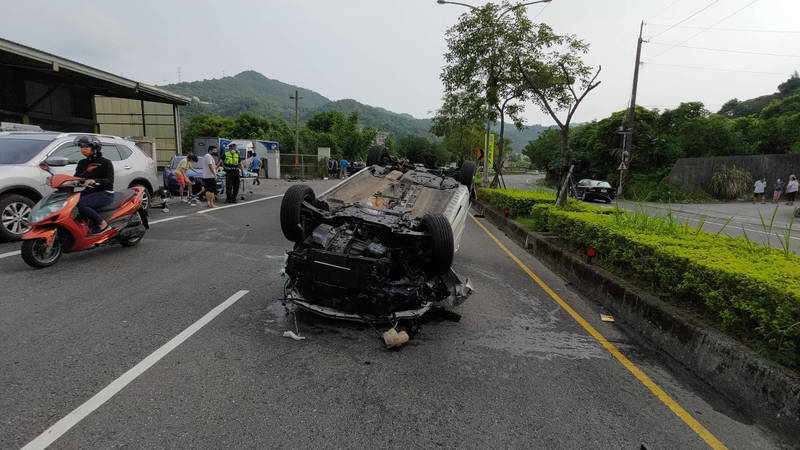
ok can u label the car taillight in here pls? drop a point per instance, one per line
(149, 161)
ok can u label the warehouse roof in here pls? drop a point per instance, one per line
(37, 64)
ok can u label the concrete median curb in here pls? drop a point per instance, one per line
(761, 388)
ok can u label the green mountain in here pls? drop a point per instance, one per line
(252, 92)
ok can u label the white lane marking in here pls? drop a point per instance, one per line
(774, 230)
(70, 420)
(237, 204)
(6, 255)
(166, 220)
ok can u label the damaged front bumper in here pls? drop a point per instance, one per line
(458, 290)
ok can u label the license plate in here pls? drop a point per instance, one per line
(603, 190)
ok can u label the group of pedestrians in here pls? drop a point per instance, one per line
(229, 162)
(791, 188)
(337, 168)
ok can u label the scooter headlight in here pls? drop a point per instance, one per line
(41, 210)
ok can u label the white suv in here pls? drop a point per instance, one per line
(23, 183)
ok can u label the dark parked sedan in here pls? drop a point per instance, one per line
(587, 190)
(172, 184)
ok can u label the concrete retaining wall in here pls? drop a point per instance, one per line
(696, 173)
(767, 391)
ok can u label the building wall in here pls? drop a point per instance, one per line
(696, 173)
(125, 117)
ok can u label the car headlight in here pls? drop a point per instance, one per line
(41, 210)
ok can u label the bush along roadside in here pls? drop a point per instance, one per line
(751, 292)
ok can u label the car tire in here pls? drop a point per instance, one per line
(441, 240)
(375, 156)
(14, 209)
(146, 197)
(467, 173)
(291, 207)
(583, 197)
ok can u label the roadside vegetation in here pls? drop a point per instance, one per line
(748, 290)
(766, 125)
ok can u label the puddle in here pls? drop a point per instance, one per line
(535, 338)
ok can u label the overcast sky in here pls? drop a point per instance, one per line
(388, 53)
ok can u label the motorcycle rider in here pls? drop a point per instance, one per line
(233, 167)
(99, 185)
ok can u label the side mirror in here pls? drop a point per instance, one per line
(56, 161)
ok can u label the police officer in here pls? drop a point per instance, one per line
(233, 167)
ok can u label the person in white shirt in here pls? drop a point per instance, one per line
(758, 189)
(209, 169)
(791, 189)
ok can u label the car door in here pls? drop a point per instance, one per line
(123, 170)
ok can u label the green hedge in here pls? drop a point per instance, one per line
(752, 292)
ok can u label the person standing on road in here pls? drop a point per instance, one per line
(791, 189)
(209, 170)
(233, 169)
(255, 167)
(758, 189)
(777, 191)
(343, 168)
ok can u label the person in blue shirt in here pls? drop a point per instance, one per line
(343, 168)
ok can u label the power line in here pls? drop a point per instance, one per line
(713, 25)
(684, 20)
(664, 10)
(711, 28)
(541, 11)
(743, 52)
(712, 68)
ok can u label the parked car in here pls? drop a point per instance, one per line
(380, 244)
(171, 183)
(355, 166)
(588, 190)
(23, 183)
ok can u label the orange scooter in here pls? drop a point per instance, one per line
(56, 227)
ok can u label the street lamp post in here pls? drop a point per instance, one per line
(488, 112)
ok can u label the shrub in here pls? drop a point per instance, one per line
(730, 183)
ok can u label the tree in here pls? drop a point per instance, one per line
(554, 72)
(459, 122)
(481, 50)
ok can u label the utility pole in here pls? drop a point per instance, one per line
(627, 132)
(296, 99)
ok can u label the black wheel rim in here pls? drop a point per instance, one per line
(43, 254)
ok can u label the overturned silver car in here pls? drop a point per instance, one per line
(380, 244)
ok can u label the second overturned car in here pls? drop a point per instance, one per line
(380, 244)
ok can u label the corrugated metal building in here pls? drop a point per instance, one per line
(62, 95)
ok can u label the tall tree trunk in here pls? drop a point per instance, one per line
(498, 158)
(566, 151)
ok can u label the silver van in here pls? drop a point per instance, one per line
(23, 183)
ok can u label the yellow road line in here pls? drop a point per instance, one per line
(701, 431)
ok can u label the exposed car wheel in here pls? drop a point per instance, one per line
(15, 210)
(441, 239)
(36, 254)
(583, 197)
(467, 173)
(375, 155)
(145, 197)
(291, 206)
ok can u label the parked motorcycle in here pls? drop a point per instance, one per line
(56, 227)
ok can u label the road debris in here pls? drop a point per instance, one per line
(393, 339)
(291, 334)
(606, 318)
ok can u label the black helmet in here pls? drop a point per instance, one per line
(231, 146)
(88, 142)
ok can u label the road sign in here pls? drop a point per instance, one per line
(480, 154)
(623, 166)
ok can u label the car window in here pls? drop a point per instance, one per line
(110, 152)
(70, 151)
(20, 150)
(603, 184)
(124, 152)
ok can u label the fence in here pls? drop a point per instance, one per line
(303, 166)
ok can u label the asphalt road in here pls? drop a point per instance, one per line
(516, 371)
(735, 219)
